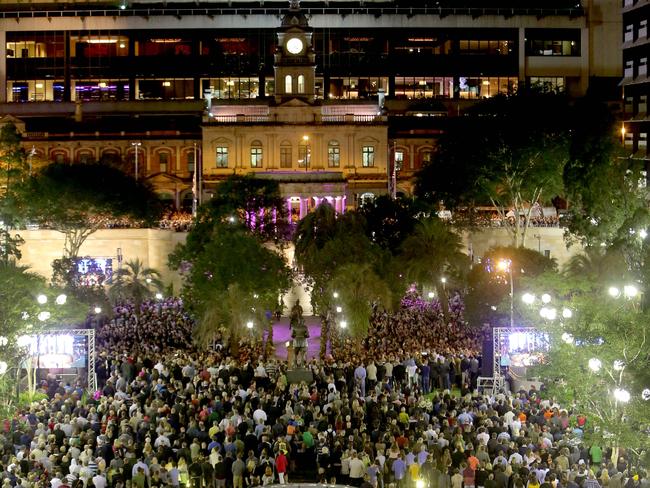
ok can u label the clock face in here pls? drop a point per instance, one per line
(294, 45)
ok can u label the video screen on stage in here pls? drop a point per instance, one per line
(54, 351)
(94, 271)
(522, 348)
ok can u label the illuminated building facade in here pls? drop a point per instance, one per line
(235, 86)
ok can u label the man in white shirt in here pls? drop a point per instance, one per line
(371, 371)
(99, 481)
(357, 469)
(259, 415)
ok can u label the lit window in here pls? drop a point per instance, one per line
(399, 160)
(368, 156)
(222, 157)
(288, 84)
(301, 84)
(333, 154)
(285, 156)
(163, 159)
(190, 161)
(304, 155)
(256, 155)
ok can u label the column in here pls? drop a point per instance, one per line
(289, 209)
(585, 56)
(178, 159)
(132, 62)
(302, 208)
(67, 84)
(411, 157)
(521, 56)
(3, 66)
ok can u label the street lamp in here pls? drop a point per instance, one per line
(528, 298)
(305, 139)
(343, 324)
(621, 395)
(595, 364)
(505, 266)
(136, 145)
(249, 324)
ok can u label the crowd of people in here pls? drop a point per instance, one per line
(399, 411)
(176, 221)
(160, 326)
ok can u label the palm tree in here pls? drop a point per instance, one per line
(135, 282)
(360, 289)
(312, 234)
(230, 312)
(597, 265)
(431, 253)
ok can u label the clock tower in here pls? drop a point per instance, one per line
(295, 60)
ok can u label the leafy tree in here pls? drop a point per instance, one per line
(135, 282)
(360, 290)
(509, 153)
(389, 221)
(488, 294)
(606, 191)
(326, 243)
(80, 199)
(431, 253)
(12, 171)
(600, 349)
(66, 277)
(234, 276)
(254, 204)
(21, 313)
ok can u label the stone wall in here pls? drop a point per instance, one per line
(152, 246)
(540, 239)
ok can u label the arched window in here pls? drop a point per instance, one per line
(84, 157)
(301, 83)
(164, 161)
(285, 155)
(288, 84)
(256, 154)
(333, 154)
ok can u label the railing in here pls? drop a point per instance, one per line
(269, 11)
(350, 118)
(233, 119)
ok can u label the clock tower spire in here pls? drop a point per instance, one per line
(295, 60)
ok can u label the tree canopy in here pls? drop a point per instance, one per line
(508, 152)
(234, 268)
(79, 199)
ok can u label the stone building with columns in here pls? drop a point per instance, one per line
(348, 94)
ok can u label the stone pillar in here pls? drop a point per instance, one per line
(521, 56)
(67, 79)
(3, 66)
(132, 61)
(303, 208)
(585, 56)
